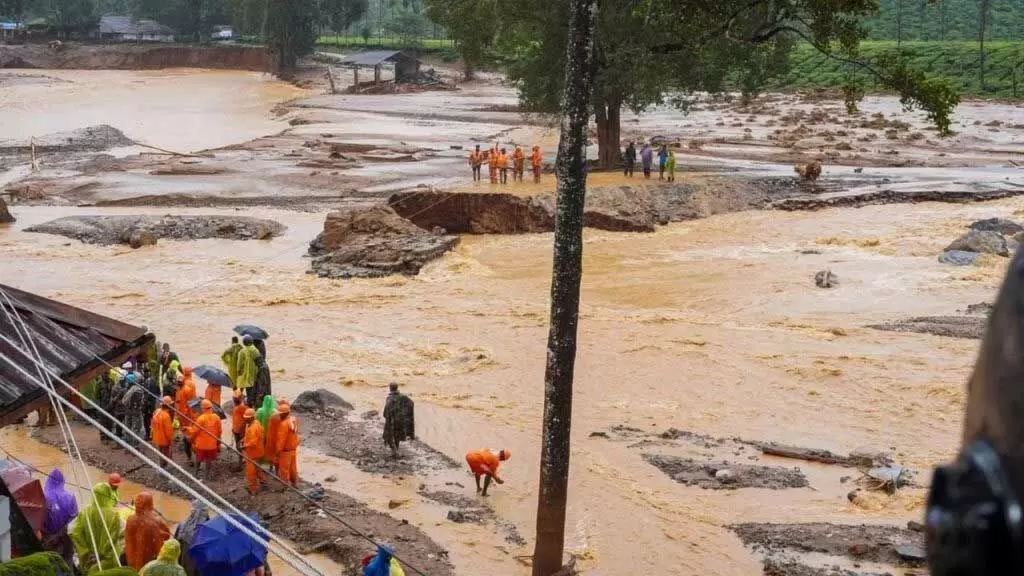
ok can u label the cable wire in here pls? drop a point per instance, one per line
(310, 569)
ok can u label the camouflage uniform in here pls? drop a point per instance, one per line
(136, 405)
(103, 393)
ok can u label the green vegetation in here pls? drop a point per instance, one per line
(39, 564)
(387, 42)
(955, 62)
(946, 20)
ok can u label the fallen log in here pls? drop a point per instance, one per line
(813, 455)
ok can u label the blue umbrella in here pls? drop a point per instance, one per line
(220, 549)
(197, 405)
(256, 332)
(213, 375)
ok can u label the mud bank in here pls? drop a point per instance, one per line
(970, 327)
(108, 230)
(90, 139)
(374, 242)
(71, 56)
(872, 543)
(859, 200)
(725, 475)
(286, 513)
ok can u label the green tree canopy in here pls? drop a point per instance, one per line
(340, 14)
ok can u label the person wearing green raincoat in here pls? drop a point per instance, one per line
(166, 563)
(230, 359)
(99, 523)
(266, 411)
(246, 369)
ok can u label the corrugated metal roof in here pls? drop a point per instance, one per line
(371, 58)
(67, 338)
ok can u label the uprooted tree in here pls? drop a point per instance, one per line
(649, 52)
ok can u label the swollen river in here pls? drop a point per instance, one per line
(713, 326)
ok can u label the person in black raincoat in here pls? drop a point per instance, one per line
(149, 382)
(399, 420)
(186, 532)
(262, 384)
(116, 407)
(104, 390)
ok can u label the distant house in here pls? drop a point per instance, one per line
(9, 29)
(222, 33)
(126, 29)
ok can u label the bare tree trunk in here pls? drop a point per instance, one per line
(899, 23)
(566, 274)
(942, 19)
(982, 26)
(608, 114)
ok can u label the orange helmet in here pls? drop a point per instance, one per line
(284, 408)
(114, 479)
(504, 454)
(207, 405)
(167, 401)
(249, 414)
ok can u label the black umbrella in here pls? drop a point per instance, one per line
(255, 332)
(196, 404)
(213, 375)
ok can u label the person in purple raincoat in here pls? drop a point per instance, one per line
(61, 509)
(646, 158)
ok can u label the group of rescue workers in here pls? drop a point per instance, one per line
(499, 163)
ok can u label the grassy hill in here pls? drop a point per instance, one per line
(958, 61)
(946, 20)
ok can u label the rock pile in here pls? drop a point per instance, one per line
(372, 242)
(997, 236)
(138, 231)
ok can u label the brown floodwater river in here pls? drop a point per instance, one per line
(712, 326)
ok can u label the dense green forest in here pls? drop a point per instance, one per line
(946, 20)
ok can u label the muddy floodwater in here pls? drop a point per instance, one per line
(712, 326)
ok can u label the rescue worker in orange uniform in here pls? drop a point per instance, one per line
(492, 163)
(485, 463)
(185, 394)
(206, 442)
(535, 162)
(273, 425)
(252, 444)
(503, 165)
(476, 159)
(212, 393)
(238, 421)
(518, 162)
(162, 428)
(144, 533)
(287, 444)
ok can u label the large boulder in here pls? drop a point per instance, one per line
(1000, 225)
(5, 215)
(318, 400)
(959, 258)
(982, 242)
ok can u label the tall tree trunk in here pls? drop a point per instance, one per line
(608, 113)
(982, 26)
(922, 33)
(566, 273)
(942, 20)
(899, 23)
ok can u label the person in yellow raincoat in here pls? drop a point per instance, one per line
(99, 522)
(246, 369)
(230, 358)
(166, 563)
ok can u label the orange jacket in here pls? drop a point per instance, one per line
(271, 440)
(253, 441)
(287, 435)
(483, 462)
(492, 158)
(535, 158)
(238, 418)
(211, 423)
(162, 428)
(212, 393)
(518, 156)
(502, 160)
(185, 394)
(144, 533)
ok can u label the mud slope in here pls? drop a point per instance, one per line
(133, 57)
(286, 513)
